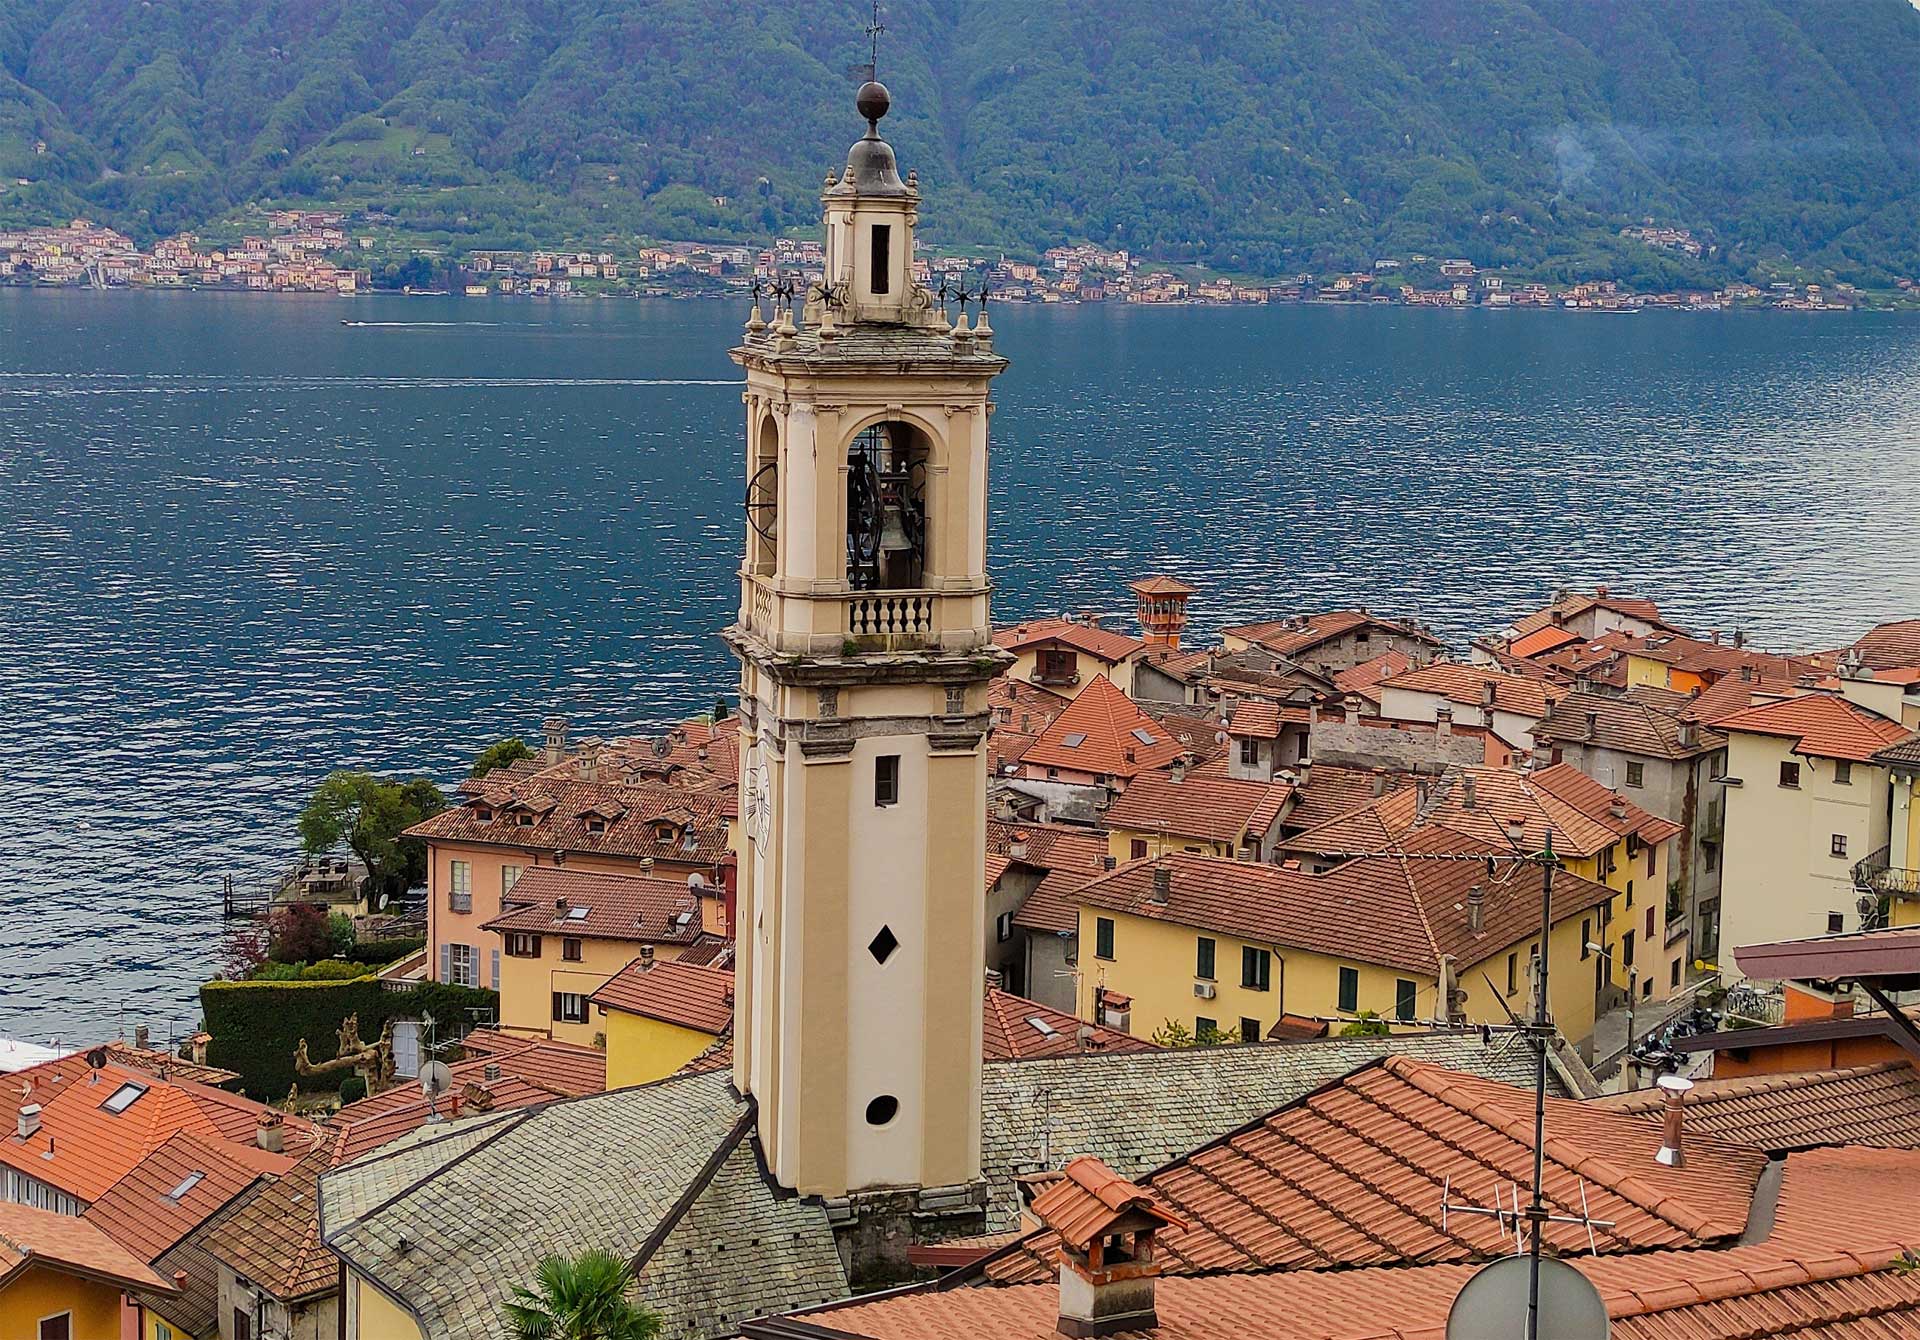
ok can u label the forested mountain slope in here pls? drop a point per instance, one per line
(1259, 135)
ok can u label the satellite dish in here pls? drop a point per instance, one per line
(435, 1078)
(97, 1058)
(1494, 1303)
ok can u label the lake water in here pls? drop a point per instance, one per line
(242, 543)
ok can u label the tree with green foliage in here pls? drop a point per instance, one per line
(499, 754)
(1366, 1025)
(579, 1298)
(368, 814)
(1176, 1035)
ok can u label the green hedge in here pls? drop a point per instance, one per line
(257, 1026)
(384, 952)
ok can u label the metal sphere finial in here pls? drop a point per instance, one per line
(872, 101)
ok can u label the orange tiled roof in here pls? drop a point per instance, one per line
(1101, 643)
(1255, 717)
(1825, 1271)
(684, 995)
(1891, 646)
(1352, 1175)
(1482, 802)
(1292, 637)
(560, 809)
(1550, 638)
(1364, 679)
(274, 1239)
(1160, 584)
(169, 1193)
(1458, 682)
(1070, 856)
(1631, 724)
(1215, 808)
(1102, 732)
(1576, 603)
(615, 907)
(94, 1147)
(1018, 1029)
(1863, 1105)
(168, 1066)
(31, 1237)
(1823, 725)
(1332, 790)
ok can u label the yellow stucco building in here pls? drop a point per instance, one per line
(64, 1278)
(659, 1014)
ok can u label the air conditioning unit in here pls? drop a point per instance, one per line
(1204, 990)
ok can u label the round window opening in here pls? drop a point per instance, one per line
(882, 1110)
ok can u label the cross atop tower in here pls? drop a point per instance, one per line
(874, 30)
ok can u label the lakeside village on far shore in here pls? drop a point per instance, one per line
(306, 251)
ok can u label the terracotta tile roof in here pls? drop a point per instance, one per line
(1070, 856)
(170, 1193)
(1395, 909)
(1891, 646)
(1863, 1105)
(1364, 679)
(1724, 697)
(1824, 1272)
(168, 1066)
(1480, 802)
(1160, 584)
(1459, 682)
(616, 907)
(30, 1237)
(718, 1056)
(694, 831)
(709, 951)
(1212, 808)
(1089, 1198)
(1824, 725)
(1575, 603)
(563, 1067)
(1018, 1029)
(1292, 637)
(1194, 728)
(1183, 667)
(1630, 724)
(674, 993)
(1573, 787)
(1023, 708)
(1103, 733)
(1332, 790)
(1101, 643)
(94, 1147)
(1550, 638)
(1352, 1175)
(1255, 718)
(274, 1240)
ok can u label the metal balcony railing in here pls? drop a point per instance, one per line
(1873, 874)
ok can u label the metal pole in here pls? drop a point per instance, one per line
(1542, 1025)
(1626, 1061)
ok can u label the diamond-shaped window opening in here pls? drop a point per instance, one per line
(882, 945)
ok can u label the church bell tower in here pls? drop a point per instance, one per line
(865, 650)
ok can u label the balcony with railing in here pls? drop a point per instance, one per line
(1875, 874)
(825, 623)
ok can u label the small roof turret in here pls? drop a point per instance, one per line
(871, 167)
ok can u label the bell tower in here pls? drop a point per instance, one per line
(865, 649)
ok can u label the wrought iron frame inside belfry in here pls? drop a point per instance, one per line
(886, 509)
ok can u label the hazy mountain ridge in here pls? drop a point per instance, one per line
(1268, 135)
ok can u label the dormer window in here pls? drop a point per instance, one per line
(596, 824)
(526, 819)
(483, 813)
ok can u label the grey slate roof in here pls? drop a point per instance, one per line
(1136, 1111)
(666, 1173)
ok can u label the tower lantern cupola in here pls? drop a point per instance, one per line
(865, 646)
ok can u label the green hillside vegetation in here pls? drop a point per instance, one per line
(1255, 136)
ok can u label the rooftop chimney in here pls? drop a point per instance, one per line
(1489, 692)
(29, 1120)
(1466, 792)
(1305, 772)
(993, 979)
(1600, 592)
(1443, 720)
(646, 956)
(1517, 827)
(1017, 846)
(554, 728)
(1673, 1088)
(1476, 896)
(1746, 674)
(1591, 725)
(490, 1072)
(140, 1036)
(1178, 773)
(269, 1132)
(1617, 808)
(1106, 1226)
(1689, 734)
(1162, 883)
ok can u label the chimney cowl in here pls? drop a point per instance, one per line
(490, 1072)
(1476, 897)
(1162, 883)
(1673, 1089)
(29, 1120)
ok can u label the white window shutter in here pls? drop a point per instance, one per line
(496, 970)
(446, 962)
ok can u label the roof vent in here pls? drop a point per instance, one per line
(1476, 896)
(1617, 808)
(1673, 1088)
(646, 956)
(1162, 883)
(490, 1072)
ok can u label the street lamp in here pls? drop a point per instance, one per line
(1633, 992)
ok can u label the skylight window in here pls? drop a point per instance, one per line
(1143, 735)
(1073, 741)
(188, 1183)
(123, 1098)
(578, 913)
(683, 919)
(1042, 1027)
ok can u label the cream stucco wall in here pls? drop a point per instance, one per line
(527, 984)
(1780, 879)
(371, 1315)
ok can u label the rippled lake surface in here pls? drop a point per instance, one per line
(242, 543)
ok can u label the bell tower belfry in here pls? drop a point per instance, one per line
(865, 650)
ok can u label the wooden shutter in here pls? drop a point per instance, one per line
(446, 962)
(496, 970)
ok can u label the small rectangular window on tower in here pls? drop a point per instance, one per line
(882, 257)
(886, 780)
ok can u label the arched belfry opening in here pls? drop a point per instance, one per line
(763, 500)
(887, 513)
